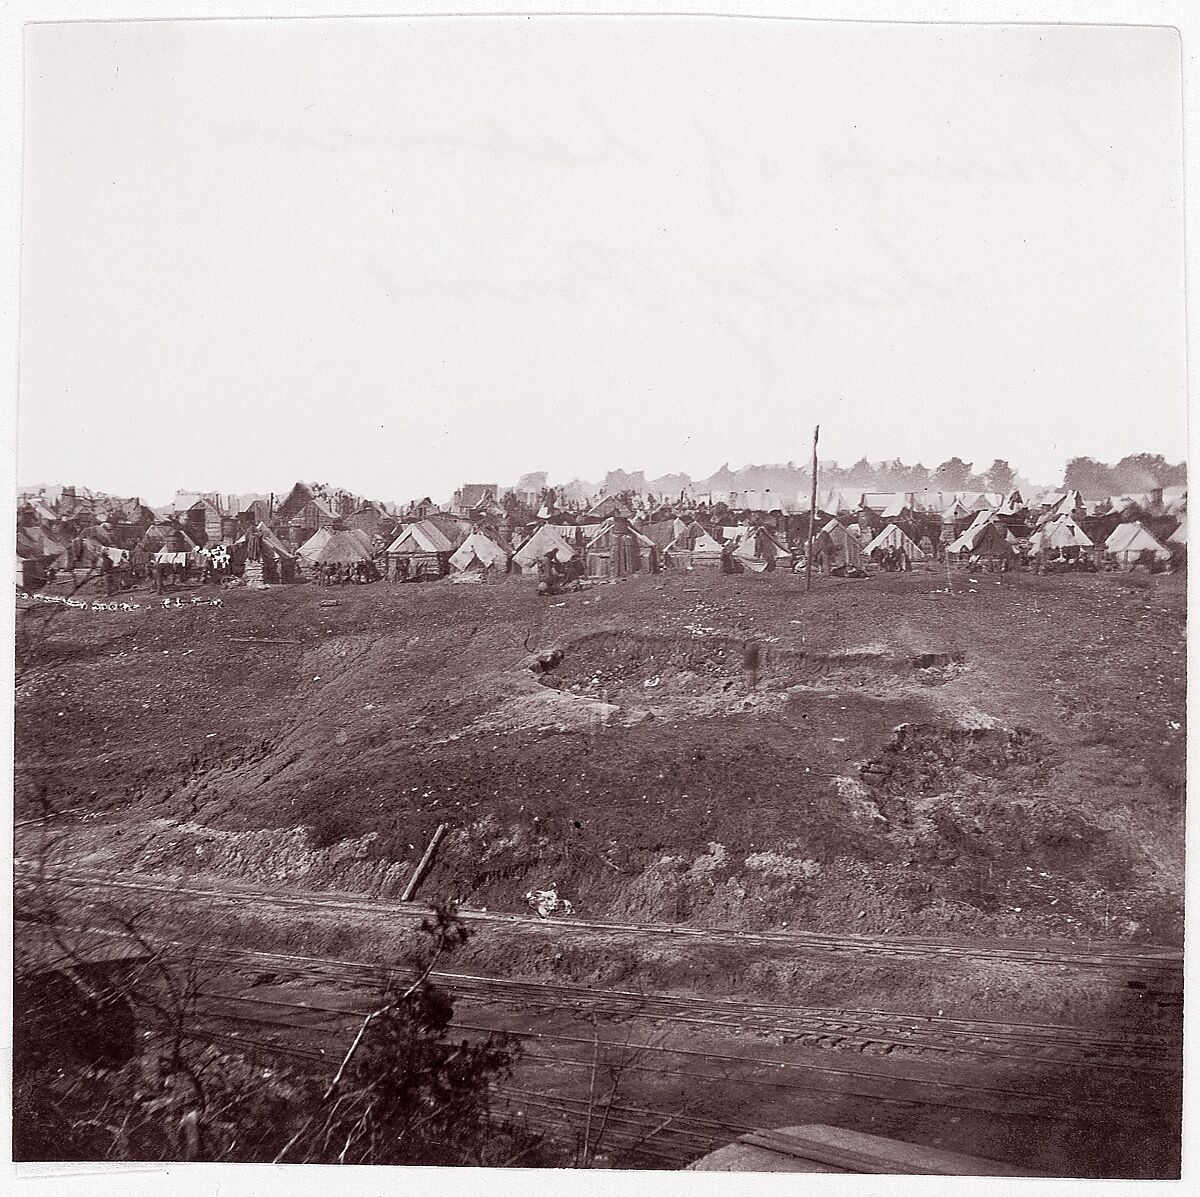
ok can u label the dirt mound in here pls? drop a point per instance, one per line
(658, 733)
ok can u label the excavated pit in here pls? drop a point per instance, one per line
(606, 664)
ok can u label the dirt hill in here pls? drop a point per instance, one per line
(1005, 755)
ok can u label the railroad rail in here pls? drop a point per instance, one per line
(649, 1137)
(836, 1028)
(824, 1027)
(1151, 958)
(313, 1018)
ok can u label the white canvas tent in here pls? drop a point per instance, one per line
(479, 551)
(758, 549)
(838, 545)
(1060, 533)
(1179, 536)
(692, 546)
(894, 537)
(424, 536)
(548, 538)
(1129, 541)
(989, 538)
(311, 548)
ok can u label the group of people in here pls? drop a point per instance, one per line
(893, 559)
(558, 577)
(356, 573)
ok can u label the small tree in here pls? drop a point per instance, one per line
(87, 1086)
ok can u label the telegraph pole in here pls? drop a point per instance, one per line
(812, 514)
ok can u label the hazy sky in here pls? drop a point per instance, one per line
(396, 255)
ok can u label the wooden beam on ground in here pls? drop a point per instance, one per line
(411, 888)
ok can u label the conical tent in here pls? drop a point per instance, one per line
(1179, 536)
(683, 534)
(894, 537)
(965, 542)
(694, 547)
(478, 552)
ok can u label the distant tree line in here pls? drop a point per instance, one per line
(1136, 473)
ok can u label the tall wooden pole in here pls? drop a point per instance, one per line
(812, 514)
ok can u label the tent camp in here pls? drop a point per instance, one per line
(547, 538)
(894, 537)
(479, 552)
(1132, 544)
(759, 550)
(616, 549)
(1179, 536)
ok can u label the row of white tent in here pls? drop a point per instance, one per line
(754, 547)
(1126, 541)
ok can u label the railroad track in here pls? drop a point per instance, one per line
(865, 1031)
(634, 1134)
(1163, 960)
(698, 1072)
(1146, 1054)
(1140, 1055)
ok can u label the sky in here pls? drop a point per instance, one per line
(397, 255)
